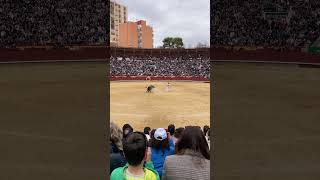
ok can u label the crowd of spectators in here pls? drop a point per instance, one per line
(56, 23)
(167, 154)
(161, 66)
(287, 24)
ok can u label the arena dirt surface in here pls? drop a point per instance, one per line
(267, 121)
(53, 121)
(188, 103)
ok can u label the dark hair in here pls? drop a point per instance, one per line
(134, 148)
(178, 132)
(205, 129)
(151, 136)
(171, 129)
(163, 144)
(128, 128)
(193, 138)
(146, 130)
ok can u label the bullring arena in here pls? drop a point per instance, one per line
(187, 103)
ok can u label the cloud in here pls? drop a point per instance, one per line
(187, 19)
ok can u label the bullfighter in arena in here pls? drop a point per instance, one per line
(168, 87)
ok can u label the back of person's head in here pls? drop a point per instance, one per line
(151, 136)
(126, 126)
(135, 148)
(115, 135)
(178, 132)
(205, 129)
(147, 130)
(171, 129)
(126, 129)
(159, 139)
(192, 138)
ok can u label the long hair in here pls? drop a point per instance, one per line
(116, 135)
(171, 129)
(154, 143)
(126, 129)
(178, 132)
(192, 138)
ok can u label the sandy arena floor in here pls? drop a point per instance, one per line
(188, 103)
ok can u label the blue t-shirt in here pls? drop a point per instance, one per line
(158, 156)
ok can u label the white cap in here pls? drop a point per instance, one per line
(160, 134)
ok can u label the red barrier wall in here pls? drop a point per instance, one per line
(139, 78)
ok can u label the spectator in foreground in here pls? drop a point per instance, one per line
(117, 158)
(206, 129)
(177, 134)
(160, 149)
(126, 129)
(208, 138)
(151, 135)
(136, 152)
(146, 131)
(171, 130)
(191, 159)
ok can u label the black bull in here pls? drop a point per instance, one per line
(149, 88)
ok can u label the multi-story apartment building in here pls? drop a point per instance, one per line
(135, 35)
(118, 15)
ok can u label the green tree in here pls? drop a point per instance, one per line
(172, 42)
(178, 43)
(167, 42)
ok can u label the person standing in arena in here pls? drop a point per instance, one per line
(168, 87)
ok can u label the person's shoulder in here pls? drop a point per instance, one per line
(176, 158)
(151, 173)
(172, 158)
(149, 165)
(116, 174)
(117, 157)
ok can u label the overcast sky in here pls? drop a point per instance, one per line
(189, 19)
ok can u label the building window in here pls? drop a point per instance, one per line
(112, 23)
